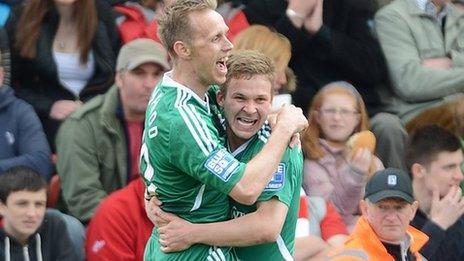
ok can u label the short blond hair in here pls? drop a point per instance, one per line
(174, 24)
(244, 64)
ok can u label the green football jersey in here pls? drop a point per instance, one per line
(285, 187)
(184, 163)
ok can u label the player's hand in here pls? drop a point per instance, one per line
(294, 141)
(156, 215)
(175, 236)
(446, 211)
(291, 118)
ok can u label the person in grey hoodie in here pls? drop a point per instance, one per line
(22, 140)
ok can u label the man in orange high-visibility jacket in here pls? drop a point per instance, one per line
(383, 231)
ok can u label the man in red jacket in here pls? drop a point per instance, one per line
(120, 227)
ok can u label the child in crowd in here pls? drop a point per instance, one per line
(28, 230)
(331, 171)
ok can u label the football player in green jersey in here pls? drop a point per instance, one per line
(269, 225)
(183, 158)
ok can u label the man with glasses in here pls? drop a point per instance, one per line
(383, 231)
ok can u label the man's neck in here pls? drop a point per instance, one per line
(424, 197)
(234, 141)
(336, 144)
(132, 116)
(184, 74)
(22, 239)
(399, 250)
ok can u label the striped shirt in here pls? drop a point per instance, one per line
(184, 162)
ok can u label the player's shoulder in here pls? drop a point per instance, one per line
(293, 157)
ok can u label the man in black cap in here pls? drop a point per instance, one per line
(383, 231)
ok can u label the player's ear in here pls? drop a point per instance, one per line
(363, 207)
(220, 96)
(182, 49)
(414, 207)
(418, 171)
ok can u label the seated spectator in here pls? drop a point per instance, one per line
(120, 228)
(278, 48)
(434, 158)
(318, 229)
(22, 140)
(63, 54)
(331, 41)
(331, 171)
(383, 231)
(29, 231)
(426, 68)
(99, 145)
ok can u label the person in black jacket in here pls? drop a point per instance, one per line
(22, 140)
(63, 54)
(434, 158)
(30, 232)
(331, 41)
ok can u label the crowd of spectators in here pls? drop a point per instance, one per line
(76, 77)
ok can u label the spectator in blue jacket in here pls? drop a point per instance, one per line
(22, 140)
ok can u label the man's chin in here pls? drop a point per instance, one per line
(219, 79)
(246, 135)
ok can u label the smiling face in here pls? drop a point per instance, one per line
(23, 213)
(210, 47)
(389, 218)
(338, 117)
(247, 104)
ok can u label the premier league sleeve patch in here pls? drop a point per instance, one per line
(222, 164)
(278, 179)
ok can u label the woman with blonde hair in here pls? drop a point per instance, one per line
(277, 47)
(331, 171)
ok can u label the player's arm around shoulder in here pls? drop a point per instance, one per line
(272, 214)
(276, 199)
